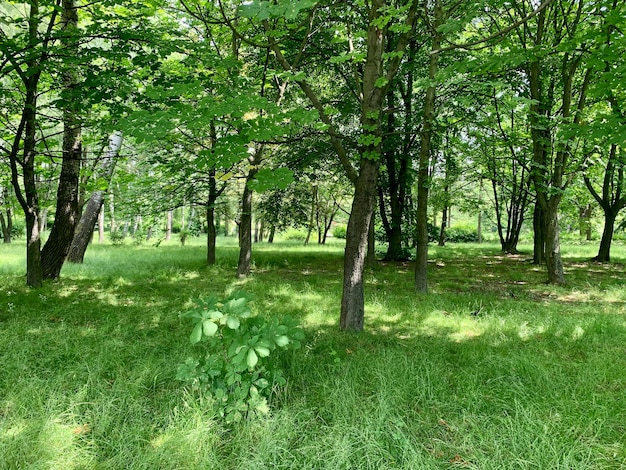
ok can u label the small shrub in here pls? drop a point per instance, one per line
(117, 237)
(461, 234)
(340, 231)
(235, 370)
(18, 230)
(295, 234)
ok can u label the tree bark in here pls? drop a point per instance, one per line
(5, 233)
(604, 252)
(34, 274)
(421, 257)
(244, 264)
(100, 225)
(352, 302)
(553, 245)
(67, 211)
(539, 235)
(168, 225)
(312, 215)
(444, 223)
(210, 218)
(92, 209)
(7, 224)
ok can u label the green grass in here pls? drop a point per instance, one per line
(535, 380)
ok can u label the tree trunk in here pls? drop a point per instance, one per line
(421, 256)
(5, 233)
(43, 219)
(245, 229)
(210, 218)
(100, 225)
(6, 230)
(352, 301)
(442, 231)
(168, 225)
(211, 236)
(34, 274)
(604, 252)
(270, 238)
(67, 211)
(539, 235)
(113, 226)
(85, 228)
(553, 246)
(370, 261)
(312, 216)
(93, 208)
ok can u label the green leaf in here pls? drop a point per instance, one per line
(267, 179)
(281, 341)
(232, 322)
(262, 351)
(252, 359)
(196, 334)
(209, 328)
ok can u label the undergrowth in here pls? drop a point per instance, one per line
(493, 369)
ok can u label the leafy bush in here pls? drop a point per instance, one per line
(18, 230)
(235, 370)
(433, 232)
(408, 234)
(340, 231)
(117, 237)
(295, 234)
(461, 234)
(195, 228)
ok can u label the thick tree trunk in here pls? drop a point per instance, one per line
(67, 211)
(539, 235)
(270, 238)
(34, 274)
(604, 252)
(85, 228)
(553, 245)
(370, 261)
(352, 301)
(93, 208)
(66, 216)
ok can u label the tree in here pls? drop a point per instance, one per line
(607, 140)
(66, 215)
(85, 227)
(372, 80)
(558, 88)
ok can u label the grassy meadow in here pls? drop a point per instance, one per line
(493, 369)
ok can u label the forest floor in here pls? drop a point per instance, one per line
(494, 369)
